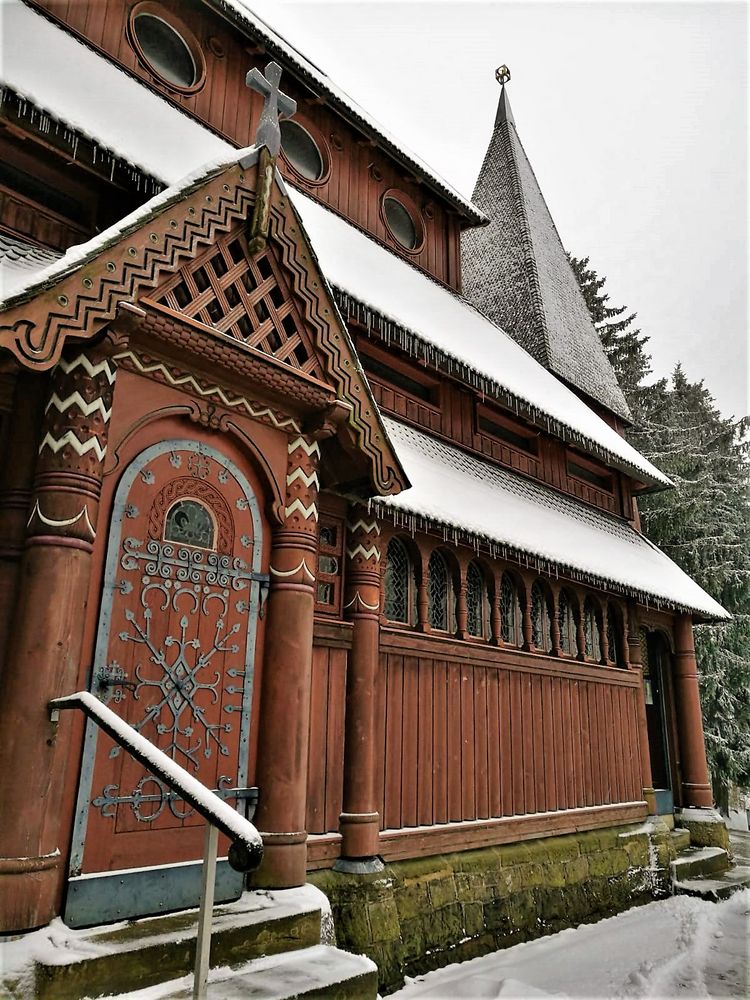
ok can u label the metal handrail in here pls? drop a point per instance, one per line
(246, 850)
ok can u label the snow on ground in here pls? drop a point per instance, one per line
(678, 947)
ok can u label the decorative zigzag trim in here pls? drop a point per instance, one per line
(359, 550)
(76, 398)
(368, 527)
(81, 361)
(306, 512)
(309, 449)
(172, 379)
(79, 447)
(311, 480)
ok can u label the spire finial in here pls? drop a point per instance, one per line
(502, 75)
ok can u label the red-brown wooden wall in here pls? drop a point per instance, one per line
(470, 732)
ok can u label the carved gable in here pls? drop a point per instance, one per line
(243, 297)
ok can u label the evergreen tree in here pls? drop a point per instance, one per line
(703, 523)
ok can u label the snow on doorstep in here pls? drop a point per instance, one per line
(399, 292)
(72, 83)
(678, 947)
(456, 489)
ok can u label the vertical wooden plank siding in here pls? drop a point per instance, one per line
(475, 740)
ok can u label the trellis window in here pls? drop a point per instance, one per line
(615, 636)
(591, 632)
(567, 618)
(541, 626)
(477, 603)
(510, 612)
(440, 597)
(399, 583)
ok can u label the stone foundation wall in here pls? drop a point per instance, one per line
(425, 913)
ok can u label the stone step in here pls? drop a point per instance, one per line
(680, 839)
(317, 973)
(144, 953)
(715, 887)
(697, 861)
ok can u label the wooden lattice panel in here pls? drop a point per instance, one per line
(243, 297)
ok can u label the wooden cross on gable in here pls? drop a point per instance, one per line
(275, 106)
(268, 139)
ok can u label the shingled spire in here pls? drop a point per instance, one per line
(515, 269)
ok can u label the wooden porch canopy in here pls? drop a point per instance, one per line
(73, 301)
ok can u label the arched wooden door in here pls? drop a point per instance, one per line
(175, 658)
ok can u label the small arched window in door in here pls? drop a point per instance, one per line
(189, 522)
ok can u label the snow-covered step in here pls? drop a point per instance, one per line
(680, 838)
(715, 887)
(317, 973)
(144, 953)
(696, 861)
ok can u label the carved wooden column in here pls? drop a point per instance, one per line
(43, 655)
(555, 623)
(359, 821)
(16, 480)
(285, 691)
(462, 610)
(496, 623)
(636, 663)
(696, 783)
(526, 625)
(423, 599)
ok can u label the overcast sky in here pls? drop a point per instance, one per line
(634, 117)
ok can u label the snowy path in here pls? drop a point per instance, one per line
(679, 947)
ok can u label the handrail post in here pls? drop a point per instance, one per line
(205, 913)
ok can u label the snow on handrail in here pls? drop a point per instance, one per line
(246, 851)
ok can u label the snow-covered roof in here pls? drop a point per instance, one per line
(461, 492)
(88, 93)
(318, 81)
(20, 261)
(407, 297)
(96, 98)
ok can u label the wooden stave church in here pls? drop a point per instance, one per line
(416, 647)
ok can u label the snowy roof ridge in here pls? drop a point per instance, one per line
(517, 272)
(453, 489)
(76, 256)
(418, 307)
(278, 46)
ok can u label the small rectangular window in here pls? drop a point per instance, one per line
(515, 437)
(600, 480)
(330, 554)
(397, 378)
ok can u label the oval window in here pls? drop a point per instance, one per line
(165, 50)
(301, 150)
(400, 223)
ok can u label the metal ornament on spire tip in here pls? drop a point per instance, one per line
(502, 75)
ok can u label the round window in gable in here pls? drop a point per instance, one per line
(302, 151)
(166, 47)
(402, 223)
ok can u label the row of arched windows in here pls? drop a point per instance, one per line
(583, 631)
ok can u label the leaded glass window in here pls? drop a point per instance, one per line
(477, 603)
(568, 631)
(439, 593)
(189, 523)
(510, 612)
(399, 582)
(615, 637)
(591, 634)
(541, 631)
